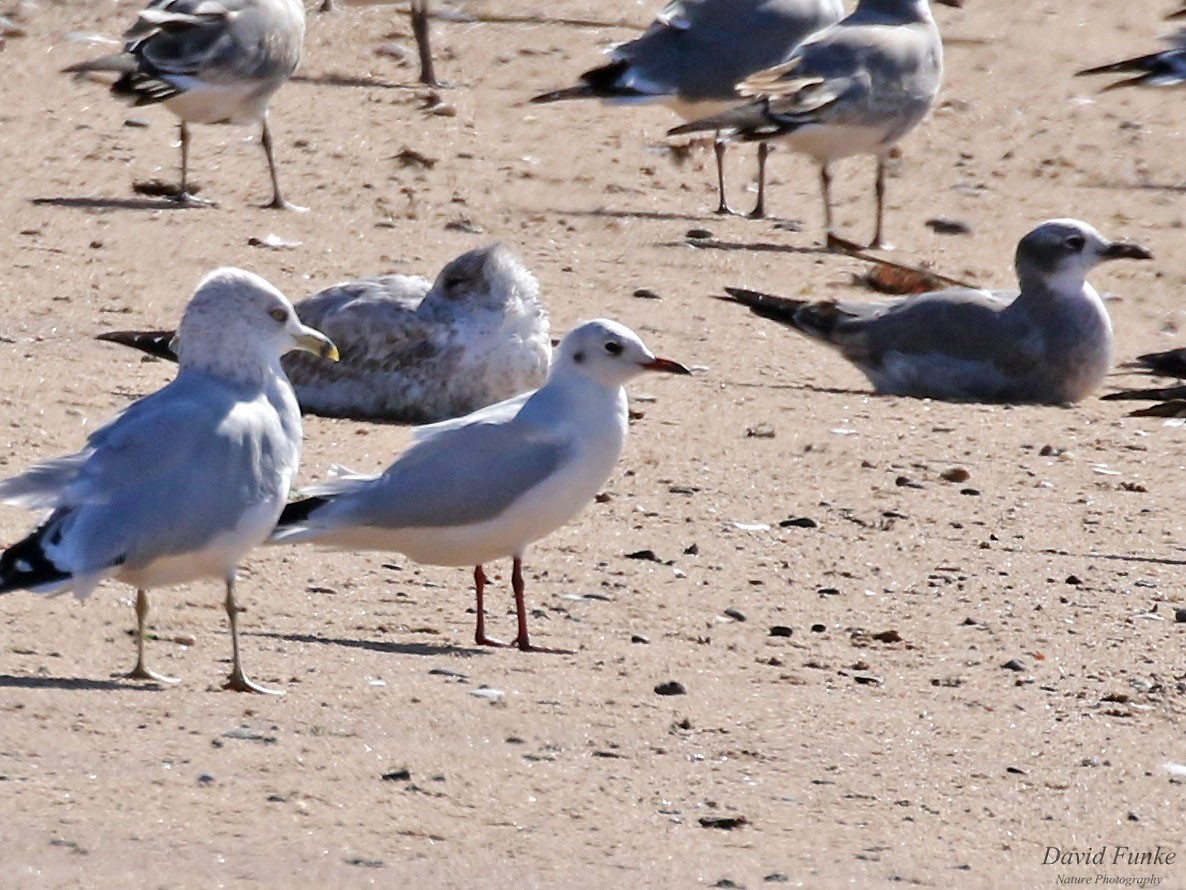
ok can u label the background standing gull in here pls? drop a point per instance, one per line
(855, 88)
(488, 485)
(415, 352)
(185, 481)
(695, 53)
(210, 62)
(1051, 342)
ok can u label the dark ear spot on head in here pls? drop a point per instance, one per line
(578, 357)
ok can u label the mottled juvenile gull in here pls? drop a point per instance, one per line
(695, 53)
(185, 481)
(1050, 342)
(485, 487)
(210, 62)
(415, 352)
(855, 88)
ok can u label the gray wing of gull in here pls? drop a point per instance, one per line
(174, 471)
(700, 49)
(458, 477)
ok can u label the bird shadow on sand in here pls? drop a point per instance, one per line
(607, 213)
(421, 649)
(1108, 557)
(114, 203)
(77, 684)
(751, 246)
(1173, 187)
(802, 387)
(333, 79)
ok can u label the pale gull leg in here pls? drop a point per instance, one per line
(419, 12)
(278, 202)
(183, 195)
(238, 680)
(479, 590)
(759, 211)
(521, 640)
(719, 146)
(825, 180)
(141, 671)
(879, 189)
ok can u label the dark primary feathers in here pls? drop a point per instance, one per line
(155, 343)
(25, 565)
(296, 512)
(813, 319)
(1165, 68)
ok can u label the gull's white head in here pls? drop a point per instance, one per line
(237, 325)
(1058, 254)
(609, 353)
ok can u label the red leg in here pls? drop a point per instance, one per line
(521, 640)
(480, 632)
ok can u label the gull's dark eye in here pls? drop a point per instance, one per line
(613, 347)
(1076, 242)
(280, 315)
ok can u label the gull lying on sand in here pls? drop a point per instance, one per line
(695, 53)
(1050, 342)
(855, 88)
(414, 352)
(210, 62)
(486, 486)
(185, 481)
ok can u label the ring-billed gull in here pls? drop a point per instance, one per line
(415, 352)
(695, 53)
(210, 62)
(185, 481)
(855, 88)
(1050, 342)
(486, 486)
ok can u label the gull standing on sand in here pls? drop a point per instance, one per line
(210, 62)
(486, 486)
(185, 481)
(1050, 343)
(414, 351)
(855, 88)
(695, 53)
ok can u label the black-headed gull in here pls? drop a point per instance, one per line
(1050, 342)
(486, 486)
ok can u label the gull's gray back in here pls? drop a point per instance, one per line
(708, 46)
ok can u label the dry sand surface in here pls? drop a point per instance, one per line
(883, 742)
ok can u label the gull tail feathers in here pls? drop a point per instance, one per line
(155, 343)
(600, 83)
(26, 565)
(745, 119)
(1149, 394)
(291, 526)
(815, 319)
(1171, 363)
